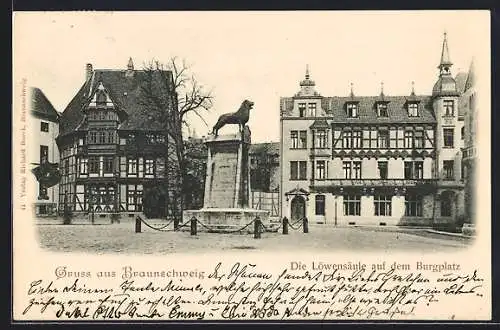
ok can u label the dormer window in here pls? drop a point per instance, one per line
(311, 109)
(302, 109)
(382, 110)
(413, 109)
(352, 110)
(448, 108)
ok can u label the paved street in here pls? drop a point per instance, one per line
(121, 238)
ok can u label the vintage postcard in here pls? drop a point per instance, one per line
(251, 166)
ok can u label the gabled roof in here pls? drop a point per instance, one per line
(334, 108)
(319, 123)
(41, 106)
(124, 90)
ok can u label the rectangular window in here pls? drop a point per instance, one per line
(108, 164)
(418, 170)
(320, 169)
(93, 165)
(356, 170)
(382, 205)
(134, 198)
(150, 138)
(448, 137)
(347, 139)
(132, 166)
(66, 167)
(413, 206)
(414, 170)
(320, 204)
(83, 163)
(448, 107)
(311, 110)
(408, 170)
(294, 170)
(302, 139)
(418, 140)
(382, 110)
(302, 170)
(448, 170)
(44, 154)
(352, 110)
(383, 139)
(42, 192)
(412, 109)
(294, 136)
(44, 127)
(302, 109)
(408, 139)
(347, 167)
(92, 137)
(298, 170)
(101, 137)
(149, 167)
(356, 139)
(321, 139)
(111, 137)
(352, 205)
(382, 169)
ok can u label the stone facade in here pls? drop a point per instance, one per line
(380, 160)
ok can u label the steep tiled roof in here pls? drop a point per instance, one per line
(272, 148)
(125, 92)
(41, 106)
(396, 108)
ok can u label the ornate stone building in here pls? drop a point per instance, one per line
(114, 150)
(383, 160)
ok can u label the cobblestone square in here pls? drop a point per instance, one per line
(121, 238)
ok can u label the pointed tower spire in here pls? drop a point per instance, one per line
(445, 62)
(469, 83)
(307, 71)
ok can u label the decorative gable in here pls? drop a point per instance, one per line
(101, 98)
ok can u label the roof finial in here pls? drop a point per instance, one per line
(352, 90)
(445, 61)
(130, 65)
(412, 88)
(382, 88)
(307, 71)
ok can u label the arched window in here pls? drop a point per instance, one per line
(320, 204)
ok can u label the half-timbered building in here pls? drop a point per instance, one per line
(113, 150)
(384, 160)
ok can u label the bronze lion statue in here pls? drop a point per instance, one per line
(239, 117)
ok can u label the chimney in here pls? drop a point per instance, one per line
(88, 72)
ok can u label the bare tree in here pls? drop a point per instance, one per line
(169, 99)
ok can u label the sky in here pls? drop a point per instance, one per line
(260, 56)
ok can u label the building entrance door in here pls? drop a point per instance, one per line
(298, 208)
